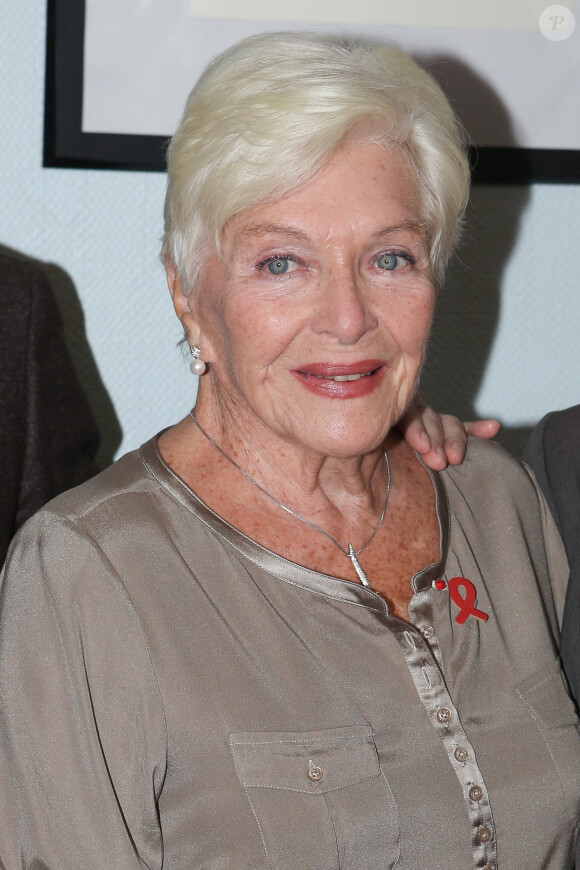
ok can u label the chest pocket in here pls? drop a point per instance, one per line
(320, 798)
(549, 704)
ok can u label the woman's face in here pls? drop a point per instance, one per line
(315, 321)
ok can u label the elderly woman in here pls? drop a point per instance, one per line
(271, 638)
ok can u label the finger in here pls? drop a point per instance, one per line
(436, 426)
(456, 432)
(483, 428)
(431, 447)
(455, 438)
(427, 432)
(413, 428)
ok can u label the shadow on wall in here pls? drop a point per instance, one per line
(468, 309)
(82, 356)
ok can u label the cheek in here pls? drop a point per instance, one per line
(412, 325)
(263, 328)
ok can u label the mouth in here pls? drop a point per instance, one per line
(342, 381)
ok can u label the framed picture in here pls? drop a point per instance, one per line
(118, 73)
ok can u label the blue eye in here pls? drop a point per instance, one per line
(390, 261)
(280, 265)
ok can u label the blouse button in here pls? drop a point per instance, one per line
(443, 714)
(475, 793)
(461, 754)
(484, 835)
(428, 631)
(315, 773)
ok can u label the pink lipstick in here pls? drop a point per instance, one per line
(342, 381)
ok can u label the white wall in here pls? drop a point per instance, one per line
(505, 341)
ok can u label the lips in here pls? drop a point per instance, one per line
(342, 381)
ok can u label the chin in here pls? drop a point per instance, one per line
(347, 442)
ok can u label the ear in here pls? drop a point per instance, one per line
(182, 302)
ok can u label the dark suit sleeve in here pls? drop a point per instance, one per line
(538, 457)
(49, 436)
(553, 454)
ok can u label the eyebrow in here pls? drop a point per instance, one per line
(270, 229)
(410, 226)
(282, 229)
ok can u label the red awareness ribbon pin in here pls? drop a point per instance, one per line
(465, 602)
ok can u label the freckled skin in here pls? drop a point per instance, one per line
(351, 283)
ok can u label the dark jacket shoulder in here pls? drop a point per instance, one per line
(47, 431)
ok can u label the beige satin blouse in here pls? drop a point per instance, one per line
(174, 696)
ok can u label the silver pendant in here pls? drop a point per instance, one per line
(361, 574)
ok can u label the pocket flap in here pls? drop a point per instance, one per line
(306, 761)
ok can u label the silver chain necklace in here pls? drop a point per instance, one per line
(351, 552)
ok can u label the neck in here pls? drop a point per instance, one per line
(350, 550)
(301, 478)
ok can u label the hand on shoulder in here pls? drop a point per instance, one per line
(441, 439)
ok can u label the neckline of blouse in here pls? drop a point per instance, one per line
(279, 566)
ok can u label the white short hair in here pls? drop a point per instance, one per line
(269, 112)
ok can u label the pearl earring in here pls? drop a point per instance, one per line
(197, 365)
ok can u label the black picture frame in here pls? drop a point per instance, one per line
(67, 146)
(65, 143)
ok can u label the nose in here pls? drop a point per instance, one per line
(343, 311)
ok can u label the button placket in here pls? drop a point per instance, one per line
(422, 617)
(421, 659)
(434, 695)
(475, 793)
(484, 834)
